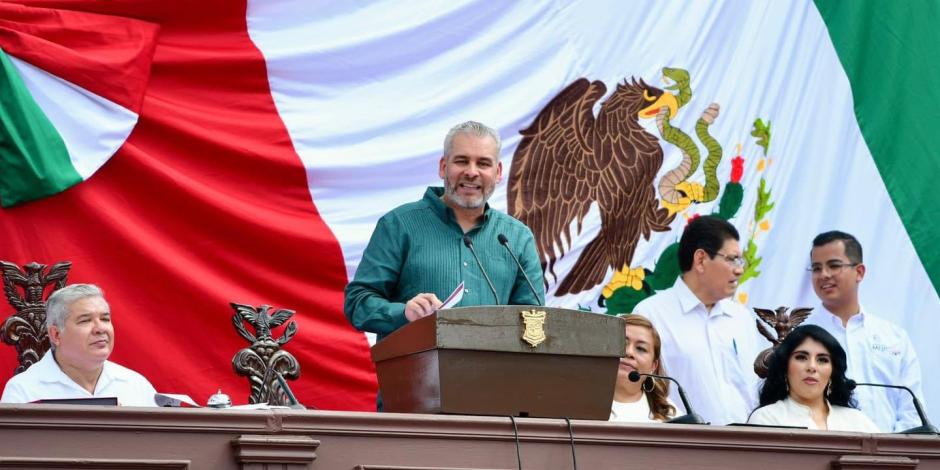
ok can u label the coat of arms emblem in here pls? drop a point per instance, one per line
(534, 327)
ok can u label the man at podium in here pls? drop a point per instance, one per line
(450, 241)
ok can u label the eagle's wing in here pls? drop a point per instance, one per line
(767, 315)
(553, 179)
(626, 196)
(59, 273)
(247, 313)
(279, 317)
(11, 277)
(799, 316)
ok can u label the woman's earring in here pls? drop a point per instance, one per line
(648, 385)
(829, 389)
(786, 382)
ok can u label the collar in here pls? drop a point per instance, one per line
(50, 372)
(795, 406)
(855, 321)
(688, 301)
(433, 197)
(49, 369)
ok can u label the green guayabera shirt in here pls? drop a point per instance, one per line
(418, 247)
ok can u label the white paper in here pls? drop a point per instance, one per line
(454, 298)
(174, 400)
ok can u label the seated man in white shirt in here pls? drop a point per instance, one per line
(709, 340)
(78, 320)
(878, 351)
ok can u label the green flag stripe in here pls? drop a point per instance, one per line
(890, 52)
(34, 161)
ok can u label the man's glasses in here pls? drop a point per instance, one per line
(834, 267)
(736, 261)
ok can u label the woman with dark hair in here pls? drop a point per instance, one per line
(806, 386)
(645, 401)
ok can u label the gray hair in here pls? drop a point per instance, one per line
(57, 306)
(472, 128)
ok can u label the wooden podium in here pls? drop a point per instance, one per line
(474, 360)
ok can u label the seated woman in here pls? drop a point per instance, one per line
(645, 401)
(806, 386)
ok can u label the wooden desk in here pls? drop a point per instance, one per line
(35, 436)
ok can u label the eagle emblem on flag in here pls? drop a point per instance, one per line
(569, 159)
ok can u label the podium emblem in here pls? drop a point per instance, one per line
(534, 327)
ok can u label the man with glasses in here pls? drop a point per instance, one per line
(709, 341)
(878, 351)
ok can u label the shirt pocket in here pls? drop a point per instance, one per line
(734, 351)
(886, 354)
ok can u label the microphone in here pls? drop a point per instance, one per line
(691, 417)
(469, 244)
(925, 426)
(505, 242)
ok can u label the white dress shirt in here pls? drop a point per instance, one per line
(635, 412)
(44, 380)
(878, 351)
(788, 412)
(711, 354)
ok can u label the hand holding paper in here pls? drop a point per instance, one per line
(423, 305)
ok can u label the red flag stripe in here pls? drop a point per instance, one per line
(206, 203)
(107, 55)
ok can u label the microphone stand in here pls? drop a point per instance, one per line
(925, 426)
(469, 244)
(690, 416)
(505, 242)
(294, 404)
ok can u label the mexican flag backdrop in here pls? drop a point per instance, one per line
(184, 155)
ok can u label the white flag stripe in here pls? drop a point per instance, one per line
(92, 127)
(368, 109)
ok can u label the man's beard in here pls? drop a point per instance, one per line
(450, 193)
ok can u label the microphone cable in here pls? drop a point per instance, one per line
(515, 432)
(574, 458)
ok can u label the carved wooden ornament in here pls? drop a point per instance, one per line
(24, 290)
(265, 352)
(782, 324)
